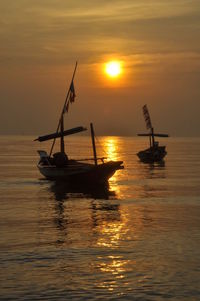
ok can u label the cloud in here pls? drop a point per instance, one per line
(40, 40)
(46, 31)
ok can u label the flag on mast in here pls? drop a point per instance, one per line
(147, 117)
(72, 94)
(71, 97)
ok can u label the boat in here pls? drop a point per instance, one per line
(155, 152)
(59, 167)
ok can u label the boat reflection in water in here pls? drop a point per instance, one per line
(90, 207)
(63, 191)
(153, 170)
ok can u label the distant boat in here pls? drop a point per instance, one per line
(154, 153)
(59, 167)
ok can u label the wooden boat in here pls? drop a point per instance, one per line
(59, 167)
(154, 153)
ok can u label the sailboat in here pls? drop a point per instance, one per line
(154, 153)
(58, 166)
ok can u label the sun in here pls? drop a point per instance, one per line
(113, 68)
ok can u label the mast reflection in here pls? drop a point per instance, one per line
(150, 180)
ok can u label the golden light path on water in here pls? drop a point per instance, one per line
(130, 244)
(111, 149)
(110, 145)
(112, 231)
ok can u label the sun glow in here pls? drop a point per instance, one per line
(113, 69)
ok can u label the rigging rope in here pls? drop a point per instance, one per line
(102, 148)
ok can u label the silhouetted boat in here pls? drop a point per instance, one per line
(154, 153)
(59, 167)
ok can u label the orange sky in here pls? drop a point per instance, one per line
(156, 41)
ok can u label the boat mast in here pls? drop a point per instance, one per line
(93, 144)
(150, 140)
(61, 120)
(62, 144)
(152, 137)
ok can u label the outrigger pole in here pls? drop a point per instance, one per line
(58, 135)
(61, 120)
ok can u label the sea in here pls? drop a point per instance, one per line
(137, 239)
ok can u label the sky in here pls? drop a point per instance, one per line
(157, 43)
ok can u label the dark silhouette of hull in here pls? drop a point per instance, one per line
(78, 172)
(152, 154)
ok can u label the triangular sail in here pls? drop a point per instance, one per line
(147, 117)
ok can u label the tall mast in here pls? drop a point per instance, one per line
(152, 135)
(61, 119)
(62, 144)
(150, 140)
(93, 144)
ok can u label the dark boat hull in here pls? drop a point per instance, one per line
(77, 172)
(152, 154)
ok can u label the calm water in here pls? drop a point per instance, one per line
(138, 241)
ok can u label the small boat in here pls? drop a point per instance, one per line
(59, 167)
(154, 153)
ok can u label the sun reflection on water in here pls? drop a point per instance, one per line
(112, 231)
(116, 268)
(113, 228)
(111, 149)
(111, 146)
(116, 265)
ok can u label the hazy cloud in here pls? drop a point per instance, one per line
(158, 41)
